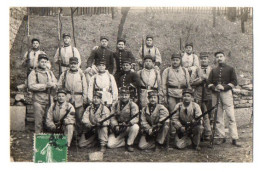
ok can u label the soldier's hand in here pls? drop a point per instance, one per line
(182, 129)
(156, 68)
(95, 48)
(150, 131)
(117, 128)
(50, 84)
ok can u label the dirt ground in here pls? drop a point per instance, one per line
(22, 149)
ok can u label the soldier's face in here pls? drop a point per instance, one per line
(126, 67)
(148, 64)
(101, 68)
(220, 58)
(73, 66)
(153, 100)
(121, 45)
(176, 62)
(149, 41)
(35, 44)
(187, 98)
(66, 39)
(204, 61)
(124, 97)
(42, 63)
(188, 49)
(104, 43)
(61, 97)
(96, 100)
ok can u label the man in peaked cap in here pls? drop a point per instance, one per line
(40, 81)
(221, 80)
(102, 52)
(150, 117)
(104, 82)
(174, 79)
(66, 52)
(150, 79)
(95, 133)
(202, 94)
(122, 54)
(30, 59)
(186, 113)
(129, 79)
(74, 82)
(61, 116)
(190, 60)
(150, 49)
(125, 110)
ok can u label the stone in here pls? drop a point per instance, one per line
(244, 92)
(248, 87)
(17, 119)
(236, 91)
(244, 81)
(250, 101)
(245, 105)
(96, 156)
(243, 101)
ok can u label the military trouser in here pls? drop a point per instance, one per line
(185, 141)
(160, 138)
(172, 101)
(78, 114)
(119, 141)
(102, 135)
(39, 116)
(226, 103)
(206, 121)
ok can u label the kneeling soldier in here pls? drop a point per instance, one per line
(92, 119)
(185, 122)
(61, 116)
(124, 123)
(154, 132)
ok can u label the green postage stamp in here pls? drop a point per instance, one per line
(50, 148)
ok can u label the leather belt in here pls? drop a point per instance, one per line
(74, 93)
(148, 88)
(181, 87)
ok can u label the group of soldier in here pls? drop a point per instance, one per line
(113, 104)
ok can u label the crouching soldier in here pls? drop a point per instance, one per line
(124, 123)
(61, 116)
(93, 119)
(74, 82)
(153, 131)
(186, 112)
(41, 81)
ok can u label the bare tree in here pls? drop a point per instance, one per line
(124, 12)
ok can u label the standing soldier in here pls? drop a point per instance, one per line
(150, 79)
(151, 116)
(31, 60)
(102, 52)
(104, 82)
(124, 123)
(41, 81)
(66, 52)
(129, 79)
(202, 94)
(221, 81)
(61, 116)
(74, 82)
(150, 49)
(186, 112)
(92, 118)
(174, 79)
(121, 54)
(190, 60)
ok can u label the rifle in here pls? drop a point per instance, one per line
(59, 39)
(28, 44)
(214, 122)
(189, 126)
(59, 125)
(123, 127)
(141, 65)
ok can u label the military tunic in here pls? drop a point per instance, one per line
(119, 56)
(153, 51)
(124, 112)
(190, 61)
(33, 59)
(91, 117)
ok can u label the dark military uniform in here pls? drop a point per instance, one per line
(119, 56)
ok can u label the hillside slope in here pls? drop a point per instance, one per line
(166, 28)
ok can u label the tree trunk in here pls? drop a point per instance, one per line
(231, 13)
(124, 12)
(113, 13)
(214, 16)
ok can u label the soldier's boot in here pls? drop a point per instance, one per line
(103, 148)
(234, 142)
(157, 147)
(130, 148)
(206, 138)
(220, 141)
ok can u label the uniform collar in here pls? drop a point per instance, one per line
(222, 64)
(66, 45)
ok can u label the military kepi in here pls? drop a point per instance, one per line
(176, 55)
(74, 60)
(124, 90)
(61, 91)
(104, 37)
(188, 90)
(42, 56)
(189, 44)
(204, 54)
(149, 57)
(121, 40)
(219, 52)
(65, 34)
(35, 39)
(152, 93)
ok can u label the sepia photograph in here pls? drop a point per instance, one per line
(131, 84)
